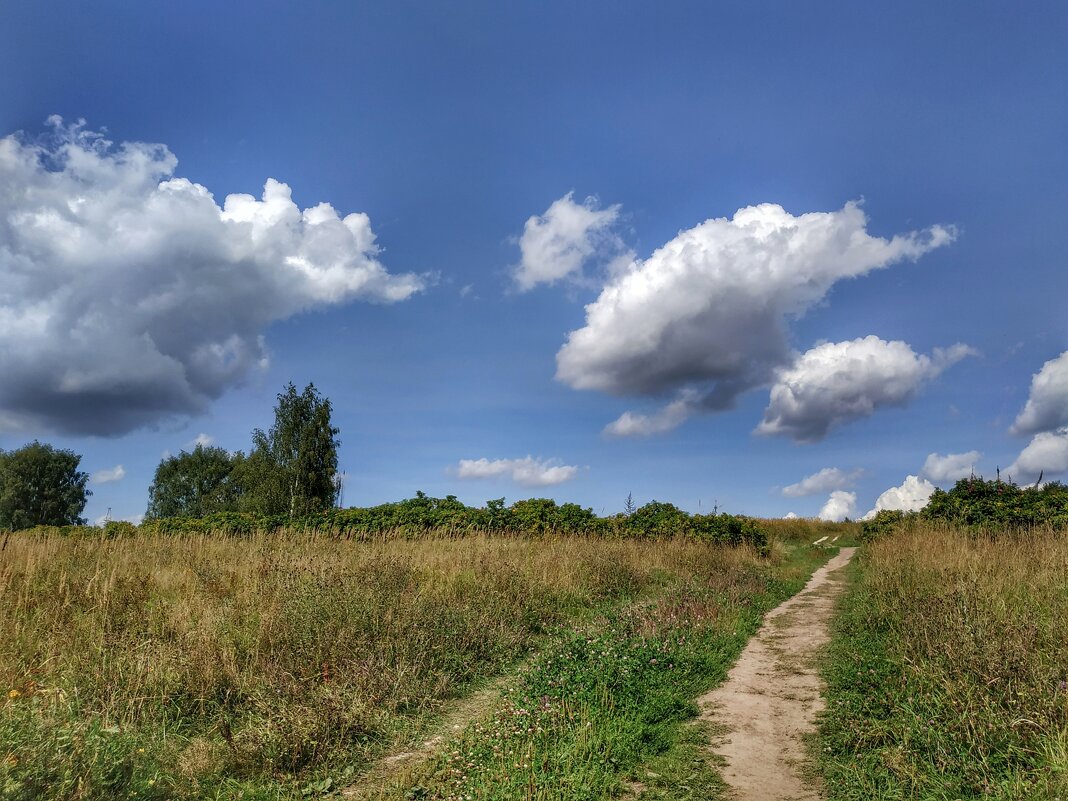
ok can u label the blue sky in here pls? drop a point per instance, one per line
(449, 127)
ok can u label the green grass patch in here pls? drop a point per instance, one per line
(946, 672)
(280, 667)
(607, 711)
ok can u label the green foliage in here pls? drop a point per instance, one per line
(260, 485)
(50, 753)
(999, 504)
(193, 484)
(657, 519)
(119, 528)
(612, 702)
(41, 486)
(293, 467)
(290, 472)
(532, 517)
(885, 522)
(543, 515)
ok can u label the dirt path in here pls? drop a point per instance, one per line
(392, 772)
(769, 701)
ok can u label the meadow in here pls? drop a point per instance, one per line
(282, 665)
(947, 672)
(295, 664)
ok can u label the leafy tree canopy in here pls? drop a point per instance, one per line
(292, 468)
(41, 486)
(193, 484)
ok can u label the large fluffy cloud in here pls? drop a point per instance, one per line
(839, 506)
(1046, 455)
(528, 471)
(556, 244)
(1047, 404)
(911, 496)
(826, 480)
(708, 311)
(951, 467)
(128, 295)
(841, 381)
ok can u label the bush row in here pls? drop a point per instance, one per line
(975, 502)
(978, 503)
(423, 514)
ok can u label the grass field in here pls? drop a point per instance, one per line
(278, 667)
(947, 675)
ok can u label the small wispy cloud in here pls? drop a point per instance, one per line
(109, 475)
(671, 416)
(529, 472)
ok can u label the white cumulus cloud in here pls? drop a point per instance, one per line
(826, 480)
(109, 475)
(128, 295)
(911, 496)
(528, 471)
(707, 312)
(1047, 404)
(951, 467)
(837, 382)
(839, 506)
(555, 245)
(632, 424)
(790, 516)
(1046, 455)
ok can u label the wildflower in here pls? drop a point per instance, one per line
(14, 694)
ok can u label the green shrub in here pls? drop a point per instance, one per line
(885, 522)
(119, 528)
(999, 504)
(423, 514)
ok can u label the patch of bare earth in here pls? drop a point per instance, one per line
(768, 704)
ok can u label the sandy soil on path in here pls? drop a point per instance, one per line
(770, 699)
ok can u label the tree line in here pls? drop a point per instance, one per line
(290, 470)
(289, 479)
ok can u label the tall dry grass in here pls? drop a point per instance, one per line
(177, 665)
(804, 530)
(949, 676)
